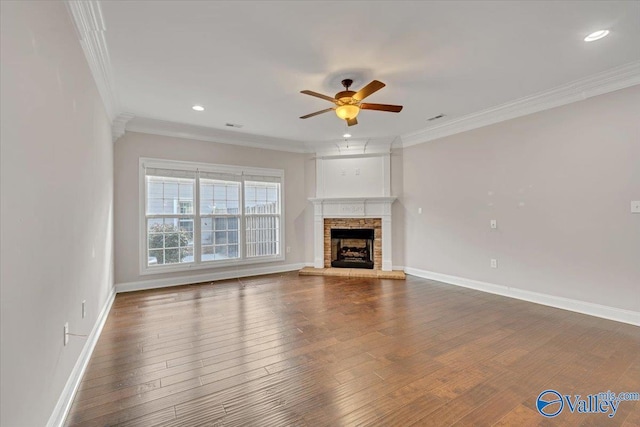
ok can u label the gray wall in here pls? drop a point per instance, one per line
(56, 215)
(133, 145)
(310, 192)
(558, 182)
(397, 209)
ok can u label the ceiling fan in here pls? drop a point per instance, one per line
(349, 103)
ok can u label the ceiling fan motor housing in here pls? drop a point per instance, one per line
(347, 106)
(346, 97)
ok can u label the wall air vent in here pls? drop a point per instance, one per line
(439, 116)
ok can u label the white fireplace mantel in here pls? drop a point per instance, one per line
(352, 207)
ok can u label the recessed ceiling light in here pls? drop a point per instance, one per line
(596, 35)
(346, 135)
(198, 107)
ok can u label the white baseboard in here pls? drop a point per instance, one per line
(63, 405)
(207, 277)
(603, 311)
(66, 397)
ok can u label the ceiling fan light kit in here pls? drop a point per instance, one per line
(349, 103)
(347, 112)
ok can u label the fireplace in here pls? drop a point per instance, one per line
(353, 214)
(352, 248)
(349, 240)
(353, 190)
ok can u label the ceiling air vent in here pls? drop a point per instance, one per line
(233, 125)
(439, 116)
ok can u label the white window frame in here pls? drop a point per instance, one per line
(198, 264)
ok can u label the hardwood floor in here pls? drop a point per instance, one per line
(289, 350)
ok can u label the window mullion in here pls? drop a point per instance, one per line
(242, 243)
(197, 249)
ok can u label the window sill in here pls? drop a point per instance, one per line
(208, 265)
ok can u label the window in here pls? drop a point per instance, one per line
(220, 218)
(169, 226)
(262, 218)
(200, 215)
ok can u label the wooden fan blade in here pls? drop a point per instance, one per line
(316, 113)
(372, 87)
(382, 107)
(318, 95)
(352, 122)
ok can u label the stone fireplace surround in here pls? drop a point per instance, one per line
(354, 223)
(353, 213)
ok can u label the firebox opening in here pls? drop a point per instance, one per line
(352, 248)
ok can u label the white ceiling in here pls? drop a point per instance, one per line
(247, 62)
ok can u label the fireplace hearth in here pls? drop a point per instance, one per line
(352, 248)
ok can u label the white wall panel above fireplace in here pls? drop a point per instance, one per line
(367, 176)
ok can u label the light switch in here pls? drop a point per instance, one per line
(635, 206)
(494, 224)
(419, 210)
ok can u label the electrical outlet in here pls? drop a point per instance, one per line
(84, 310)
(493, 224)
(494, 263)
(66, 333)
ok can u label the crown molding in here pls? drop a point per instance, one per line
(90, 29)
(201, 133)
(598, 84)
(353, 147)
(118, 126)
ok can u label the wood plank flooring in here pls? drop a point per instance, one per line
(290, 350)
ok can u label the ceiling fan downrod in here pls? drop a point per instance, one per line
(346, 83)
